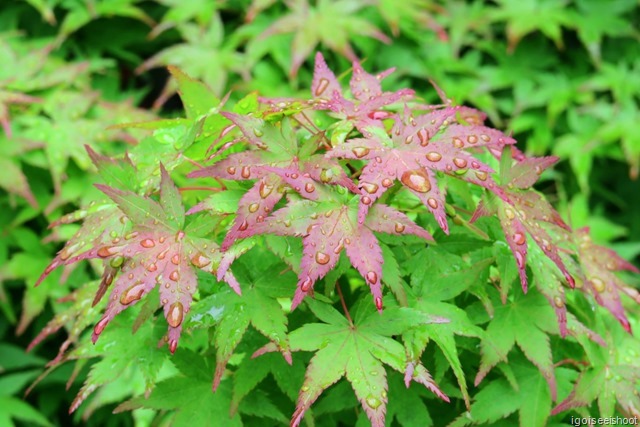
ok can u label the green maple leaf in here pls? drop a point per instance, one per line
(189, 396)
(121, 356)
(206, 54)
(526, 16)
(332, 23)
(258, 306)
(613, 377)
(501, 398)
(357, 350)
(12, 178)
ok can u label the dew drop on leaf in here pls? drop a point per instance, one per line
(557, 301)
(369, 187)
(100, 326)
(152, 267)
(482, 176)
(132, 294)
(175, 315)
(103, 252)
(458, 143)
(174, 275)
(417, 180)
(147, 243)
(244, 225)
(379, 303)
(433, 156)
(387, 182)
(246, 172)
(373, 402)
(423, 136)
(360, 152)
(173, 345)
(253, 207)
(306, 285)
(322, 258)
(200, 260)
(231, 170)
(472, 139)
(265, 190)
(309, 187)
(322, 86)
(433, 203)
(598, 284)
(399, 227)
(366, 200)
(117, 262)
(519, 238)
(461, 163)
(509, 213)
(372, 277)
(175, 259)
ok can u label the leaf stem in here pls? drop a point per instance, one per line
(214, 189)
(344, 304)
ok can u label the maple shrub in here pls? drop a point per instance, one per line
(437, 216)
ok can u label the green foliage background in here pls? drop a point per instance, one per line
(562, 75)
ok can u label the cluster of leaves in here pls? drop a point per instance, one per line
(571, 91)
(408, 158)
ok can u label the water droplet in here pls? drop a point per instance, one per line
(117, 262)
(378, 159)
(322, 86)
(309, 187)
(399, 227)
(373, 402)
(244, 225)
(147, 243)
(408, 139)
(433, 156)
(326, 175)
(509, 213)
(103, 252)
(306, 285)
(472, 139)
(519, 239)
(369, 187)
(259, 218)
(131, 235)
(175, 314)
(482, 176)
(245, 172)
(175, 259)
(294, 176)
(598, 284)
(387, 182)
(173, 345)
(417, 180)
(152, 267)
(132, 294)
(485, 138)
(423, 136)
(557, 301)
(461, 163)
(174, 275)
(372, 277)
(100, 326)
(231, 170)
(366, 200)
(322, 258)
(458, 143)
(433, 203)
(253, 207)
(257, 132)
(200, 260)
(519, 259)
(360, 152)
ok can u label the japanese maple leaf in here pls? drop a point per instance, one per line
(12, 179)
(599, 264)
(330, 226)
(357, 351)
(526, 321)
(157, 251)
(524, 211)
(363, 111)
(416, 149)
(613, 380)
(276, 150)
(331, 22)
